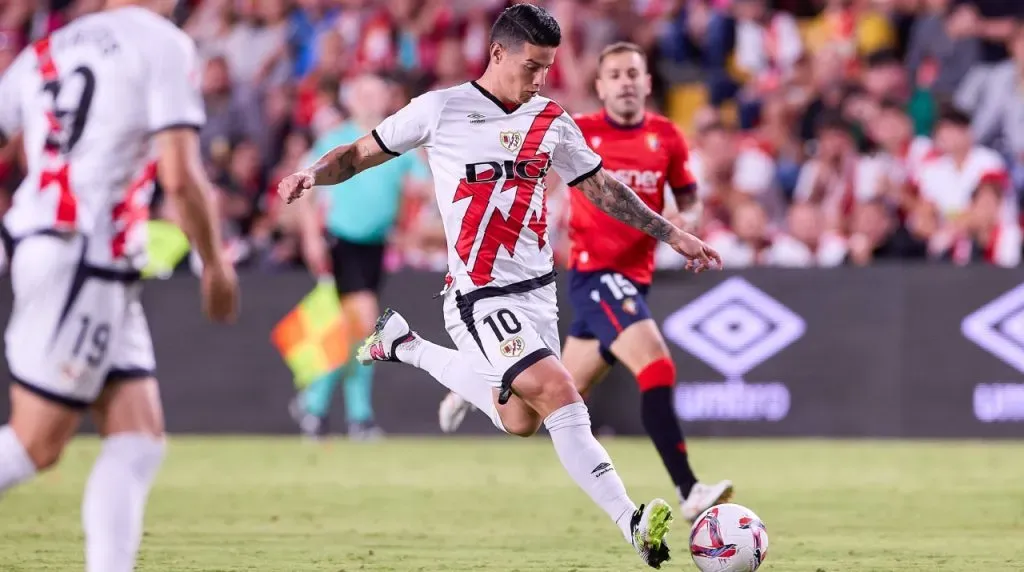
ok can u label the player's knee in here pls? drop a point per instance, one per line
(44, 452)
(559, 392)
(523, 427)
(659, 373)
(43, 440)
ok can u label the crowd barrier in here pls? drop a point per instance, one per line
(920, 351)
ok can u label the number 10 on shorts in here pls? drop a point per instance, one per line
(506, 326)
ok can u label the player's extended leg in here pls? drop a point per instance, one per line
(546, 387)
(641, 348)
(35, 436)
(582, 356)
(447, 366)
(129, 416)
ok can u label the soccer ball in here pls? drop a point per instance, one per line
(728, 538)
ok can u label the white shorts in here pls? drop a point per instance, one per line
(74, 328)
(502, 334)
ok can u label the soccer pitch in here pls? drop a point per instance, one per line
(504, 505)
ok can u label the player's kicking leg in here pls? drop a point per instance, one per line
(582, 356)
(541, 382)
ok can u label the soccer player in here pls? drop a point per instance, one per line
(489, 145)
(611, 266)
(360, 214)
(92, 101)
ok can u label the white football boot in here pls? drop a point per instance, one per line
(390, 332)
(452, 411)
(703, 497)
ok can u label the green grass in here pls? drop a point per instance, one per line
(505, 505)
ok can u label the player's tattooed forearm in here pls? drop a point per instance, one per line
(618, 200)
(336, 166)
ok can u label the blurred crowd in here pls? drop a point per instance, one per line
(823, 132)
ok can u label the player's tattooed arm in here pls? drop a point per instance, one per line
(345, 161)
(335, 166)
(618, 200)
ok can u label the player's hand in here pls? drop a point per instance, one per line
(700, 256)
(220, 292)
(295, 185)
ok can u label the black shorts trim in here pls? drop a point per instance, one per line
(522, 365)
(4, 139)
(587, 175)
(128, 374)
(383, 147)
(69, 402)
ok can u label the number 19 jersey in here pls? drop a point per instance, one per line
(88, 98)
(489, 162)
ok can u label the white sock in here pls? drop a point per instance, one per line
(455, 373)
(15, 465)
(115, 500)
(588, 463)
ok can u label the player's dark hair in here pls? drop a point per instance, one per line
(620, 48)
(526, 24)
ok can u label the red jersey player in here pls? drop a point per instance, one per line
(611, 264)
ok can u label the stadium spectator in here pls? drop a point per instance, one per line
(877, 235)
(984, 235)
(825, 112)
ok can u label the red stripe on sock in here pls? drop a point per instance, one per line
(660, 373)
(681, 446)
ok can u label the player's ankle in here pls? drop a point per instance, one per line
(411, 351)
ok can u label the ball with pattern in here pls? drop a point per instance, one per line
(728, 538)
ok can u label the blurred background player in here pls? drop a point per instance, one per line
(500, 304)
(358, 216)
(612, 264)
(91, 99)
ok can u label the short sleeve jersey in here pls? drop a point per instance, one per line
(87, 99)
(489, 164)
(647, 157)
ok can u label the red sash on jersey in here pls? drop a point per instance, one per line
(56, 170)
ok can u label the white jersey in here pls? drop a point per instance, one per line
(489, 165)
(87, 99)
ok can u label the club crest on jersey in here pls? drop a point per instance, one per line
(511, 140)
(595, 142)
(513, 348)
(652, 141)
